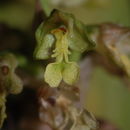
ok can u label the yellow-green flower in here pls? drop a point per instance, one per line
(59, 36)
(62, 68)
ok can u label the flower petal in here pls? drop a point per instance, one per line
(70, 73)
(43, 46)
(53, 74)
(77, 34)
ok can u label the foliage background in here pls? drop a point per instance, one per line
(107, 96)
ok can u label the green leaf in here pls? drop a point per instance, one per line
(53, 75)
(71, 73)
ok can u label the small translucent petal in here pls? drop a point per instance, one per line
(53, 74)
(70, 73)
(42, 49)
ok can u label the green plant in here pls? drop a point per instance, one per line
(10, 83)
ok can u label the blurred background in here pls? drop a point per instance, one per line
(103, 93)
